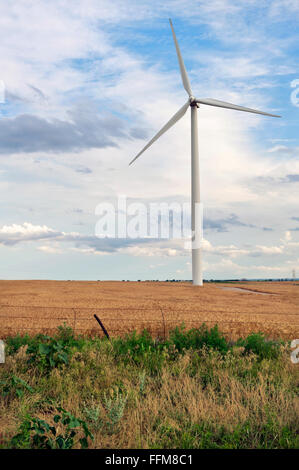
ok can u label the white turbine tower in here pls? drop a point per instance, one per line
(194, 103)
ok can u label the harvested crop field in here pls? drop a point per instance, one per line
(41, 306)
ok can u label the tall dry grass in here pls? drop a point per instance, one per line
(202, 399)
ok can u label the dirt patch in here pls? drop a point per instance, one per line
(248, 291)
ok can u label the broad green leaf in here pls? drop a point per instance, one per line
(43, 349)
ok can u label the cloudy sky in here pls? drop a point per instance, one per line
(85, 84)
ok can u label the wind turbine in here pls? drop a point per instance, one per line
(194, 103)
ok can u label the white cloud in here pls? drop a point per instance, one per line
(13, 234)
(287, 237)
(270, 250)
(50, 249)
(26, 229)
(89, 251)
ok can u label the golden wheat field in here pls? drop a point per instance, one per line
(41, 306)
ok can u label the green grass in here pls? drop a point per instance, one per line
(193, 390)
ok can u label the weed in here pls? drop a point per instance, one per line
(48, 353)
(115, 406)
(14, 386)
(257, 343)
(142, 380)
(13, 344)
(197, 338)
(36, 433)
(93, 416)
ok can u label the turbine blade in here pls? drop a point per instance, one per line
(223, 104)
(184, 75)
(165, 128)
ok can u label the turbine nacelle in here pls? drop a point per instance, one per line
(193, 101)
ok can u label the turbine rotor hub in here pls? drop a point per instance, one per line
(192, 101)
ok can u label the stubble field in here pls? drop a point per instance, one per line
(41, 306)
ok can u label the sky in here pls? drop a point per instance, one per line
(84, 86)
